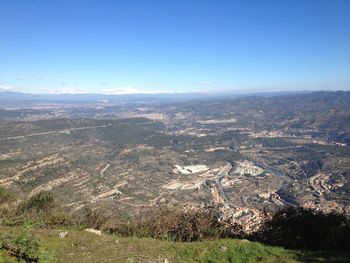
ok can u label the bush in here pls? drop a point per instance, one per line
(38, 203)
(41, 209)
(93, 218)
(299, 228)
(6, 195)
(22, 246)
(177, 225)
(57, 218)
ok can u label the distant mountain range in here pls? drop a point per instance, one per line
(12, 97)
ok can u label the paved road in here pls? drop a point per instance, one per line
(270, 170)
(223, 172)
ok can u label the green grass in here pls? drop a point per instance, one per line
(81, 246)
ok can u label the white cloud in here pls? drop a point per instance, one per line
(131, 90)
(6, 88)
(65, 90)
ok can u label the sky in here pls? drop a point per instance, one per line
(155, 46)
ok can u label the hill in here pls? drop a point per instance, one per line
(81, 246)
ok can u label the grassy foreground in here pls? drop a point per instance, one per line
(81, 246)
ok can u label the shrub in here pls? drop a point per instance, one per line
(94, 218)
(6, 195)
(57, 218)
(38, 203)
(299, 228)
(177, 225)
(22, 246)
(41, 209)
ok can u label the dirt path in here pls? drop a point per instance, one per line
(104, 169)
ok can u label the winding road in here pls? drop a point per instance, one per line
(223, 172)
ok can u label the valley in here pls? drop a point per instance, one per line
(245, 157)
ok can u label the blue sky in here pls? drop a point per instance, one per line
(174, 46)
